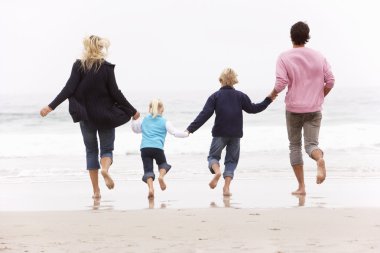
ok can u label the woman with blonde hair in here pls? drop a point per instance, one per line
(154, 128)
(96, 102)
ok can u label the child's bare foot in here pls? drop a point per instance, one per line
(226, 192)
(215, 180)
(151, 203)
(321, 171)
(151, 194)
(162, 183)
(107, 178)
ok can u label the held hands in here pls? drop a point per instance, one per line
(273, 95)
(45, 111)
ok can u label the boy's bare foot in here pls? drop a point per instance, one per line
(151, 194)
(321, 171)
(215, 180)
(162, 183)
(107, 178)
(226, 192)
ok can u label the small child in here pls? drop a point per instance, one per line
(154, 128)
(228, 104)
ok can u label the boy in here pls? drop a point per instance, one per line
(228, 105)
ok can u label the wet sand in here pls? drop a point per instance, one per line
(246, 193)
(193, 230)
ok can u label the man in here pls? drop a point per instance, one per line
(309, 79)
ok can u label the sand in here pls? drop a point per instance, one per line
(193, 230)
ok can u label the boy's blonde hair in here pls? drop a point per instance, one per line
(228, 77)
(156, 107)
(94, 52)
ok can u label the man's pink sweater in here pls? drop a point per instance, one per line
(305, 72)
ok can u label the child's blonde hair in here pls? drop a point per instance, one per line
(94, 52)
(156, 107)
(228, 77)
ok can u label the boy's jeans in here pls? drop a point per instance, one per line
(232, 154)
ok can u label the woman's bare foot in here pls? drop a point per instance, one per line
(215, 180)
(107, 179)
(226, 192)
(321, 171)
(96, 195)
(162, 183)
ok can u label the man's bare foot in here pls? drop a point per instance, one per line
(215, 180)
(321, 171)
(151, 194)
(162, 183)
(226, 192)
(300, 191)
(301, 199)
(107, 178)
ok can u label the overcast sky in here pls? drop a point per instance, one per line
(183, 44)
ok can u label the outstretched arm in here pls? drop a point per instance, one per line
(136, 126)
(250, 107)
(117, 95)
(203, 116)
(173, 131)
(66, 92)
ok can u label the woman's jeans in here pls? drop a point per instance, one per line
(310, 123)
(232, 154)
(106, 138)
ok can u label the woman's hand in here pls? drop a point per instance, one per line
(45, 111)
(136, 116)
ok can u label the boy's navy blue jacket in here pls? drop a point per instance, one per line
(228, 105)
(95, 97)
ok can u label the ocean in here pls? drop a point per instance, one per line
(36, 149)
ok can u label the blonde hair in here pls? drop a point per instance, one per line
(228, 77)
(156, 107)
(94, 52)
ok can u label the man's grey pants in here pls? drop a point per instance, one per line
(310, 123)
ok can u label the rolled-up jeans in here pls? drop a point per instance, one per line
(232, 154)
(150, 154)
(106, 138)
(310, 123)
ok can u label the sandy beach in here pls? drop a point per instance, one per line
(193, 230)
(189, 217)
(44, 214)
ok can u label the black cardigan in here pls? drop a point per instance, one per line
(95, 97)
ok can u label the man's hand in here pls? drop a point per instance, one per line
(326, 91)
(45, 111)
